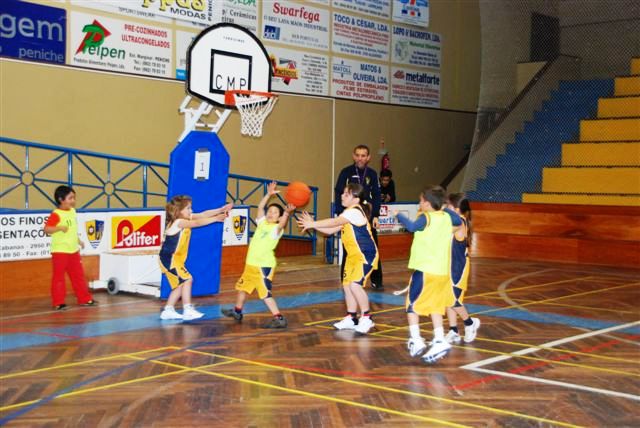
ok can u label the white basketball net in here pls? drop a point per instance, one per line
(253, 109)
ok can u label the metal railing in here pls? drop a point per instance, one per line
(114, 182)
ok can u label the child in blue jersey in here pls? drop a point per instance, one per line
(362, 254)
(430, 290)
(179, 221)
(261, 262)
(460, 271)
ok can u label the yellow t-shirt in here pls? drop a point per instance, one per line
(66, 242)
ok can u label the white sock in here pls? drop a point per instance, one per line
(188, 306)
(168, 308)
(414, 331)
(438, 333)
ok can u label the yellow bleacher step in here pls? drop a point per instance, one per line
(628, 85)
(619, 107)
(613, 180)
(601, 154)
(581, 199)
(635, 65)
(610, 130)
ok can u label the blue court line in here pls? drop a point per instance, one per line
(212, 312)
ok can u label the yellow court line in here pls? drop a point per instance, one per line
(79, 363)
(617, 311)
(526, 357)
(305, 393)
(389, 389)
(395, 308)
(527, 304)
(111, 385)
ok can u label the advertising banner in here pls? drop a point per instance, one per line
(130, 8)
(377, 8)
(296, 24)
(183, 40)
(241, 12)
(22, 236)
(388, 223)
(299, 72)
(200, 11)
(115, 45)
(415, 87)
(414, 12)
(360, 36)
(360, 81)
(33, 32)
(416, 47)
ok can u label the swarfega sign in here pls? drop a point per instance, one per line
(137, 231)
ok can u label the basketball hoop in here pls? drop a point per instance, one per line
(254, 107)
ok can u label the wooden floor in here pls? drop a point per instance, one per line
(559, 346)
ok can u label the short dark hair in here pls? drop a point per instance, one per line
(362, 146)
(455, 198)
(386, 173)
(278, 206)
(435, 195)
(61, 193)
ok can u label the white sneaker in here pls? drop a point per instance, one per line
(471, 331)
(345, 323)
(453, 337)
(190, 313)
(439, 349)
(169, 313)
(416, 346)
(364, 325)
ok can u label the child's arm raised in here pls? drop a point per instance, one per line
(214, 212)
(412, 226)
(306, 222)
(284, 218)
(271, 190)
(198, 222)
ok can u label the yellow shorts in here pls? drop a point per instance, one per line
(176, 275)
(429, 294)
(357, 271)
(256, 278)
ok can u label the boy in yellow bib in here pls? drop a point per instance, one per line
(430, 291)
(261, 260)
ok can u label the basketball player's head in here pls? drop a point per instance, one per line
(65, 197)
(274, 212)
(432, 198)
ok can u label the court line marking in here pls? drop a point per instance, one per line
(301, 392)
(516, 354)
(389, 389)
(396, 308)
(477, 366)
(519, 300)
(79, 363)
(108, 386)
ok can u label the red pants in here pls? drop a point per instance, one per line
(72, 264)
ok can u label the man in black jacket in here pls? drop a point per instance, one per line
(360, 173)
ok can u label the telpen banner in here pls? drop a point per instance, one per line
(22, 235)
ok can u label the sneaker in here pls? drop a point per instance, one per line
(170, 314)
(471, 331)
(276, 323)
(190, 313)
(61, 307)
(439, 349)
(90, 303)
(345, 324)
(231, 313)
(453, 337)
(416, 346)
(364, 325)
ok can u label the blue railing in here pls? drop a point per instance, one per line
(113, 182)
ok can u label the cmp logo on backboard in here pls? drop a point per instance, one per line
(94, 230)
(136, 231)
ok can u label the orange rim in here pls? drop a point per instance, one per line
(230, 100)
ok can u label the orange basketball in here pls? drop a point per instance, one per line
(297, 193)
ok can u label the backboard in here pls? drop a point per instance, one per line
(225, 57)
